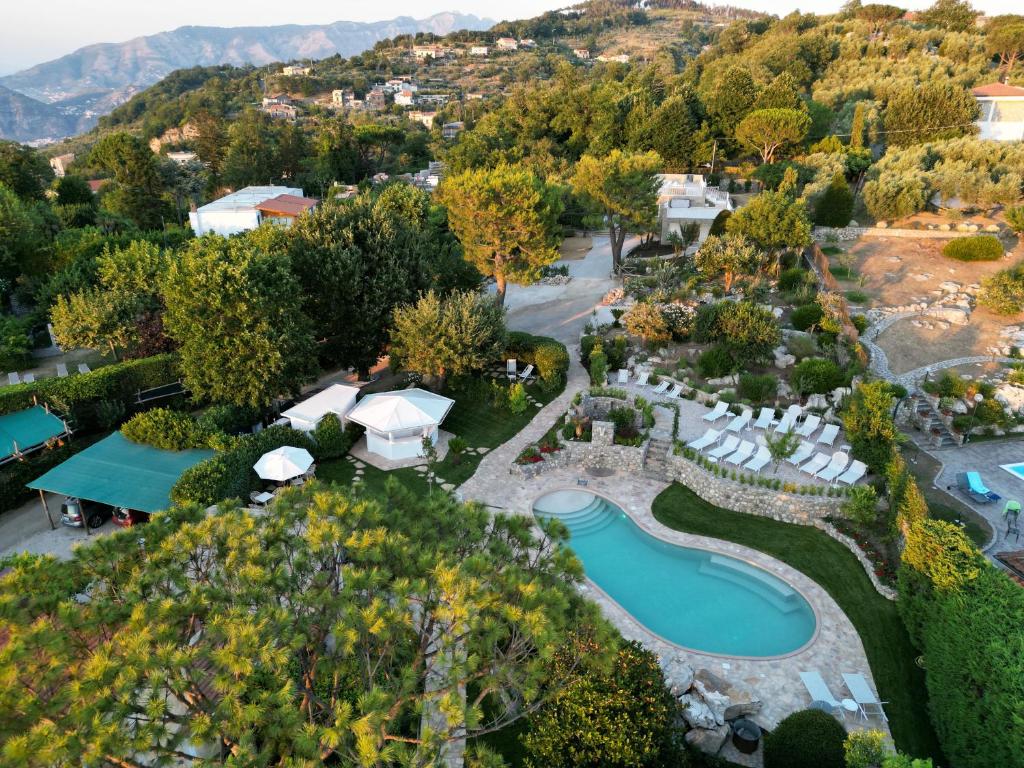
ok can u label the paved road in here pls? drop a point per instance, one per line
(24, 529)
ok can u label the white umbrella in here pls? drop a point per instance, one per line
(283, 463)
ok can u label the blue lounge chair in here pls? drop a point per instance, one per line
(970, 485)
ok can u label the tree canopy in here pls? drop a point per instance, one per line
(769, 131)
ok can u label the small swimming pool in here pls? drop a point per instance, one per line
(1017, 470)
(694, 598)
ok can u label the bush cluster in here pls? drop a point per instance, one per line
(976, 248)
(806, 316)
(758, 388)
(1003, 292)
(807, 739)
(167, 429)
(333, 441)
(816, 375)
(550, 357)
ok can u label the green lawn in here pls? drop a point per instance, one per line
(473, 419)
(834, 567)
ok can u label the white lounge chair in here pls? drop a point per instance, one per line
(511, 370)
(811, 423)
(641, 380)
(744, 452)
(729, 446)
(863, 695)
(84, 368)
(835, 467)
(62, 370)
(803, 452)
(28, 378)
(788, 419)
(675, 392)
(765, 418)
(721, 408)
(739, 423)
(815, 465)
(818, 691)
(623, 376)
(527, 374)
(710, 437)
(660, 389)
(761, 458)
(828, 434)
(856, 471)
(13, 378)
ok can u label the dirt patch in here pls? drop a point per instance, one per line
(575, 248)
(914, 342)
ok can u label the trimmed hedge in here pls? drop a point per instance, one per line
(166, 429)
(81, 394)
(975, 248)
(550, 357)
(229, 474)
(807, 739)
(805, 316)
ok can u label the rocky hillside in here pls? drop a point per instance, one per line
(93, 80)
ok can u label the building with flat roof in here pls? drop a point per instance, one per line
(685, 198)
(248, 207)
(1002, 112)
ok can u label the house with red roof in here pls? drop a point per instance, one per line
(1002, 111)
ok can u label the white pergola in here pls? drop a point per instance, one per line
(397, 422)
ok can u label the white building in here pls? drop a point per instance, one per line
(620, 58)
(426, 119)
(507, 44)
(1002, 112)
(397, 422)
(337, 399)
(478, 50)
(182, 158)
(428, 51)
(581, 53)
(685, 198)
(293, 71)
(246, 209)
(60, 164)
(405, 98)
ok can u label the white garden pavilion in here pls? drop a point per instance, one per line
(397, 422)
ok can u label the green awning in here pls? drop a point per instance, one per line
(119, 472)
(22, 431)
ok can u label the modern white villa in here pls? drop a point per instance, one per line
(1002, 112)
(685, 198)
(397, 422)
(248, 208)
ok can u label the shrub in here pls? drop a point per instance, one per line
(715, 362)
(617, 353)
(598, 366)
(332, 441)
(806, 316)
(856, 297)
(231, 419)
(587, 344)
(550, 357)
(816, 375)
(859, 322)
(758, 389)
(807, 739)
(792, 279)
(648, 322)
(869, 426)
(747, 331)
(990, 412)
(517, 398)
(457, 447)
(862, 505)
(1003, 292)
(834, 206)
(1015, 218)
(975, 248)
(802, 346)
(167, 429)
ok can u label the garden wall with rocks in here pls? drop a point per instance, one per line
(882, 229)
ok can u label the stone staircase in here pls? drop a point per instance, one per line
(656, 459)
(932, 425)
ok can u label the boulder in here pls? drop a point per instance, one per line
(708, 740)
(817, 401)
(740, 701)
(785, 361)
(777, 312)
(951, 315)
(696, 713)
(839, 393)
(949, 287)
(678, 674)
(882, 225)
(959, 406)
(1010, 396)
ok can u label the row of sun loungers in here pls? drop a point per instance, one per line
(766, 418)
(867, 703)
(28, 378)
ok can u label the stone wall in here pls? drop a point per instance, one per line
(854, 233)
(625, 458)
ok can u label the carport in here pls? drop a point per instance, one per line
(120, 473)
(29, 430)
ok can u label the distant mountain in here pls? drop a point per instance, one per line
(24, 119)
(93, 80)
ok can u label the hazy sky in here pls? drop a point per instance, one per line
(32, 32)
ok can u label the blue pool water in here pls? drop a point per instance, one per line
(1014, 469)
(691, 597)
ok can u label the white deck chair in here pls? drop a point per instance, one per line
(675, 392)
(623, 376)
(856, 471)
(739, 423)
(721, 408)
(818, 691)
(815, 465)
(765, 418)
(729, 446)
(828, 434)
(28, 378)
(811, 423)
(759, 461)
(641, 380)
(835, 467)
(13, 378)
(84, 368)
(510, 369)
(744, 452)
(801, 454)
(710, 437)
(660, 389)
(865, 698)
(786, 422)
(527, 373)
(62, 370)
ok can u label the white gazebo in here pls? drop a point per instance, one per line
(397, 422)
(337, 399)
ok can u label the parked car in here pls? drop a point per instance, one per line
(126, 518)
(72, 508)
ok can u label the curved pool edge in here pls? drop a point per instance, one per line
(707, 544)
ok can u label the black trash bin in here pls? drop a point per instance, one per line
(746, 735)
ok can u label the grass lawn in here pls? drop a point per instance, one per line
(475, 420)
(834, 567)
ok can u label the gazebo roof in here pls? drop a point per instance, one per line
(337, 398)
(406, 409)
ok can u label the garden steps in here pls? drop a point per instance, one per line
(656, 458)
(931, 424)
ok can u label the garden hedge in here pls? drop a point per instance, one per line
(166, 429)
(807, 739)
(550, 357)
(79, 396)
(976, 248)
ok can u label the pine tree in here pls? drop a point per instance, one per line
(857, 127)
(835, 206)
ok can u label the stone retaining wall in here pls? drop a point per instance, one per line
(624, 458)
(854, 233)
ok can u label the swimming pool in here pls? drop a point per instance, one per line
(694, 598)
(1017, 470)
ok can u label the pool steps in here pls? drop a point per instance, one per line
(595, 516)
